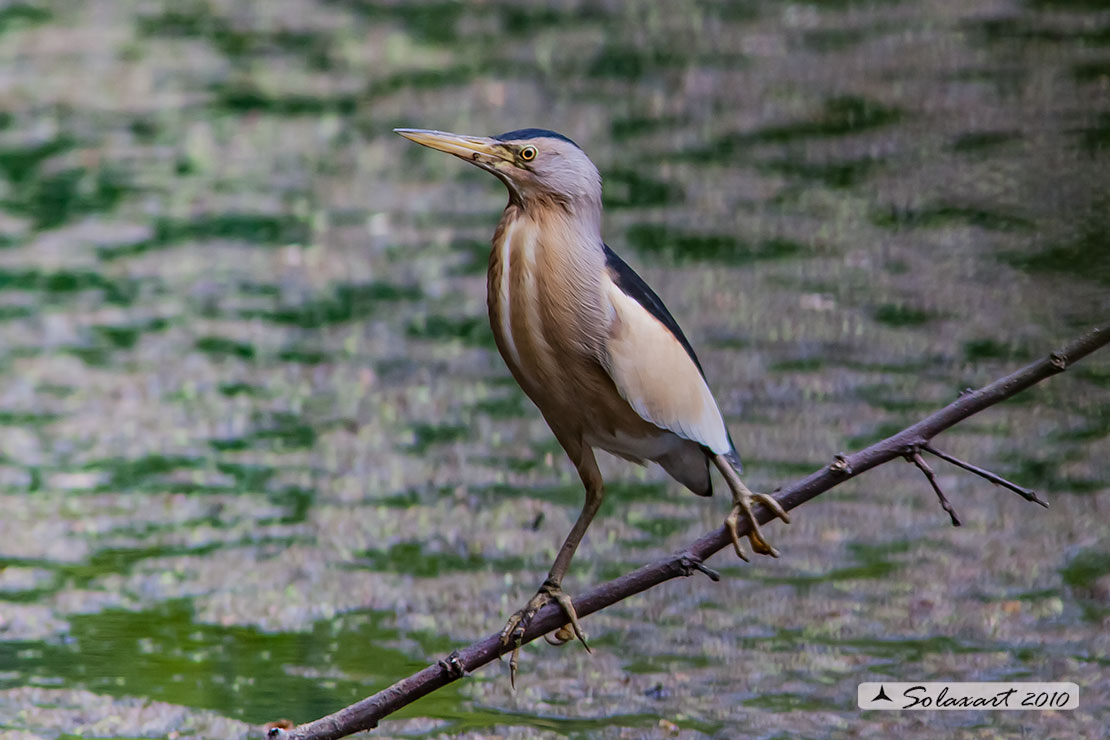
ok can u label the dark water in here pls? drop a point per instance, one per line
(258, 455)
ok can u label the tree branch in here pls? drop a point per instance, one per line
(364, 714)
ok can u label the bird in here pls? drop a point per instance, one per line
(591, 344)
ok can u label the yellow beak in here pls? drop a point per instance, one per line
(470, 148)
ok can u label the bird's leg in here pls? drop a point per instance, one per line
(551, 590)
(742, 500)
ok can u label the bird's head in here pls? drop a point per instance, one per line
(538, 166)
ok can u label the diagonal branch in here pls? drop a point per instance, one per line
(1026, 493)
(364, 714)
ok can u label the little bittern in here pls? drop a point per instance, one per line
(589, 342)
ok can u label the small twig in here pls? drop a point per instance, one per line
(712, 574)
(916, 458)
(691, 564)
(1025, 493)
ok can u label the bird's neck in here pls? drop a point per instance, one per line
(571, 234)
(584, 209)
(546, 263)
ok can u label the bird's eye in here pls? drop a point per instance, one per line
(528, 153)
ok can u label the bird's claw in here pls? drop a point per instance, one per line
(743, 505)
(513, 631)
(731, 521)
(575, 629)
(772, 503)
(513, 634)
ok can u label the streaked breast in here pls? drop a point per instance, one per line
(545, 305)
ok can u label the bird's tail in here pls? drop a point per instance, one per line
(690, 467)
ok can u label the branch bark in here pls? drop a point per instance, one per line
(365, 714)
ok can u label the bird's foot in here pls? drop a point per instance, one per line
(514, 629)
(742, 504)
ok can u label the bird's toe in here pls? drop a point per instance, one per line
(573, 629)
(512, 634)
(731, 521)
(772, 503)
(742, 507)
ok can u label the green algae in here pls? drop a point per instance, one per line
(470, 330)
(426, 436)
(680, 246)
(166, 655)
(838, 116)
(62, 284)
(894, 314)
(224, 347)
(342, 302)
(252, 228)
(947, 214)
(415, 559)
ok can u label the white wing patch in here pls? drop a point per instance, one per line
(654, 373)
